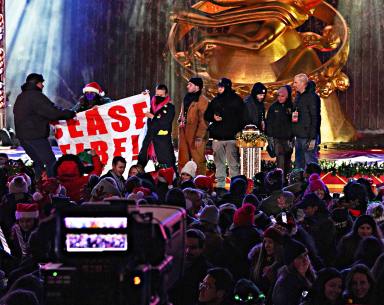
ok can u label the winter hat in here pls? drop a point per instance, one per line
(175, 197)
(167, 175)
(296, 175)
(18, 185)
(274, 180)
(144, 190)
(323, 276)
(246, 292)
(131, 183)
(204, 183)
(341, 218)
(69, 165)
(310, 200)
(315, 183)
(27, 179)
(238, 186)
(35, 77)
(292, 250)
(189, 168)
(93, 87)
(106, 186)
(258, 88)
(27, 210)
(251, 199)
(49, 186)
(227, 206)
(197, 81)
(362, 220)
(262, 221)
(210, 214)
(225, 82)
(274, 234)
(244, 216)
(376, 210)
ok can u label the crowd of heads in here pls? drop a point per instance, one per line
(271, 240)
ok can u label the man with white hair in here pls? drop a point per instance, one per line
(306, 120)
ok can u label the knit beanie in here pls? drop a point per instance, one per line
(238, 186)
(225, 82)
(262, 221)
(27, 210)
(244, 216)
(258, 88)
(292, 250)
(189, 168)
(210, 214)
(18, 185)
(106, 186)
(175, 197)
(315, 183)
(197, 81)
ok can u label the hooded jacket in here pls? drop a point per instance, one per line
(33, 111)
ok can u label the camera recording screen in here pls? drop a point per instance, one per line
(84, 242)
(95, 222)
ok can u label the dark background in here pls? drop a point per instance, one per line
(122, 44)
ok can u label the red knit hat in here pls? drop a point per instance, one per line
(244, 216)
(204, 183)
(146, 191)
(93, 87)
(27, 210)
(167, 175)
(315, 183)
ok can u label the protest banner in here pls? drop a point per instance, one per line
(113, 129)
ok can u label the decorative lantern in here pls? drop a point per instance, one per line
(250, 141)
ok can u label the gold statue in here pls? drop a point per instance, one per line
(257, 40)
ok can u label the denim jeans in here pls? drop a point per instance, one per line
(225, 151)
(303, 156)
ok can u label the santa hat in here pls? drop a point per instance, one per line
(189, 168)
(49, 186)
(167, 175)
(146, 191)
(18, 185)
(106, 186)
(93, 87)
(27, 210)
(204, 183)
(244, 216)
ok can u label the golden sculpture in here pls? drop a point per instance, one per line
(257, 40)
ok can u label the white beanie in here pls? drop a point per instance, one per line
(189, 168)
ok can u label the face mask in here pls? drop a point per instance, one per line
(160, 99)
(90, 96)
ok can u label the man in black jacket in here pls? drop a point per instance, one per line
(306, 120)
(226, 116)
(254, 106)
(279, 128)
(32, 113)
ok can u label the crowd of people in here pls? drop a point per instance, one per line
(281, 239)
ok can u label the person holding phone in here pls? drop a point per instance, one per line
(225, 113)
